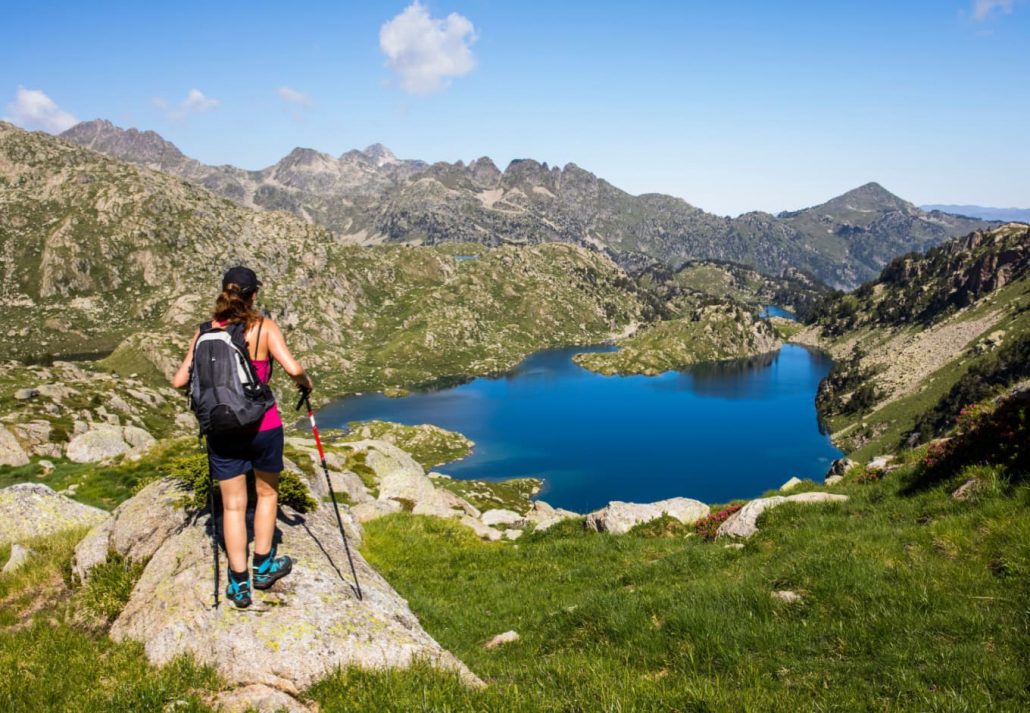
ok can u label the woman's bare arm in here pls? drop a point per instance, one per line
(278, 350)
(182, 376)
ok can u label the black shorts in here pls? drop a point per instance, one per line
(234, 454)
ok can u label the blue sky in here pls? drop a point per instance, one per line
(733, 106)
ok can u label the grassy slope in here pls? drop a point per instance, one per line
(866, 435)
(52, 662)
(910, 603)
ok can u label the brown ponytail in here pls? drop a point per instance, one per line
(233, 305)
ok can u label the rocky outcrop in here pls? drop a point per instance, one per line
(543, 517)
(102, 442)
(136, 529)
(30, 510)
(618, 517)
(295, 634)
(11, 452)
(744, 522)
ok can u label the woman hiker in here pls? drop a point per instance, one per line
(231, 455)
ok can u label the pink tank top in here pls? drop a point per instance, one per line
(271, 420)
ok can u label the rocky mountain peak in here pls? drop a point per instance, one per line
(303, 156)
(870, 196)
(147, 147)
(380, 155)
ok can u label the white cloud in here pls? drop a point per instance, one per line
(982, 9)
(194, 103)
(293, 96)
(32, 109)
(425, 51)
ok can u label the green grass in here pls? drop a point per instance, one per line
(52, 663)
(909, 603)
(103, 486)
(512, 494)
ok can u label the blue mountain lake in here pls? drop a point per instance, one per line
(713, 432)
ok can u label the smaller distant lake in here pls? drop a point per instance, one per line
(463, 258)
(774, 311)
(714, 432)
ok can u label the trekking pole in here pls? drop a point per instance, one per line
(304, 400)
(214, 526)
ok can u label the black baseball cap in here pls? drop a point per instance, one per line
(244, 277)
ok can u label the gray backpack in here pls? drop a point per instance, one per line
(225, 393)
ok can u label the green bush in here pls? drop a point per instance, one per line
(192, 470)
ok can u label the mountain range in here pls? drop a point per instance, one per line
(984, 212)
(371, 196)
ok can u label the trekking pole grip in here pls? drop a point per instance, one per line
(303, 398)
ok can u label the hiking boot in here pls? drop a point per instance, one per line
(271, 570)
(238, 593)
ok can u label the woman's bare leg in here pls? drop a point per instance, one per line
(264, 514)
(234, 521)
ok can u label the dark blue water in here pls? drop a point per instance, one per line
(715, 432)
(774, 311)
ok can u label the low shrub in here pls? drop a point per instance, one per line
(192, 470)
(708, 526)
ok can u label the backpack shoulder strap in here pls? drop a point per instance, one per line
(257, 339)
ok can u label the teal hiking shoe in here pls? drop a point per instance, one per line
(238, 593)
(271, 570)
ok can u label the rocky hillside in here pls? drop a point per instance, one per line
(371, 196)
(933, 333)
(99, 255)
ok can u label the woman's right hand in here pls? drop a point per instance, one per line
(303, 382)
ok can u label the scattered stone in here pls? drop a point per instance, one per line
(618, 517)
(744, 522)
(26, 394)
(30, 510)
(512, 534)
(500, 516)
(966, 491)
(19, 556)
(46, 466)
(508, 637)
(734, 546)
(11, 452)
(257, 697)
(137, 437)
(840, 467)
(97, 444)
(56, 392)
(787, 596)
(791, 484)
(485, 532)
(119, 404)
(833, 479)
(374, 509)
(543, 517)
(881, 462)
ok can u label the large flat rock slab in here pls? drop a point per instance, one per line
(295, 634)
